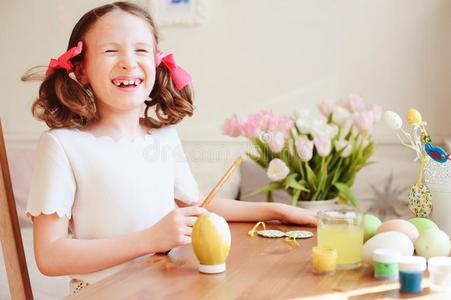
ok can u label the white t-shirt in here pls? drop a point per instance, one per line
(109, 188)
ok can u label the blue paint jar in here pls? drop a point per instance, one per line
(411, 269)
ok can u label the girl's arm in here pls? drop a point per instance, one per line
(242, 211)
(56, 254)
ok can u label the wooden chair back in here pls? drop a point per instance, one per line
(10, 237)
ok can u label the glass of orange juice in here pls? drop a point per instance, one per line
(342, 230)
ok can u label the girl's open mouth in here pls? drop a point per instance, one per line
(128, 84)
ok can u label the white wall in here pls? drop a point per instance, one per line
(254, 54)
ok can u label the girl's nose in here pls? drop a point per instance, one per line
(128, 62)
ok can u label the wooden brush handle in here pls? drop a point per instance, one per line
(220, 183)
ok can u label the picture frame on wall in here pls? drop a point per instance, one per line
(178, 12)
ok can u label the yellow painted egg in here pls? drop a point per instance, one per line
(211, 242)
(413, 117)
(400, 225)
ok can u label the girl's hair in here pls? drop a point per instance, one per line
(64, 102)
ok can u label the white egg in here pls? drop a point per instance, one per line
(392, 119)
(433, 242)
(388, 240)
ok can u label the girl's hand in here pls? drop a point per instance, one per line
(296, 215)
(174, 229)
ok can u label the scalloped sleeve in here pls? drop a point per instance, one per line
(53, 184)
(185, 186)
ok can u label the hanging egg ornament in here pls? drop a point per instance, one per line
(393, 120)
(420, 201)
(420, 197)
(414, 117)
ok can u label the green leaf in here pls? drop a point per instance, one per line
(345, 192)
(258, 160)
(311, 177)
(295, 198)
(291, 182)
(269, 197)
(273, 186)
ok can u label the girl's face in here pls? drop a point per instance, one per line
(119, 62)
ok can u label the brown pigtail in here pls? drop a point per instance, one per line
(171, 104)
(62, 101)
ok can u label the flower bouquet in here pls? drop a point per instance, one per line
(312, 158)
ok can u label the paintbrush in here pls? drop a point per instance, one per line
(220, 183)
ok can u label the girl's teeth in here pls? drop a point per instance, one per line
(127, 82)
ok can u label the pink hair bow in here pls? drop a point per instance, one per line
(63, 62)
(180, 77)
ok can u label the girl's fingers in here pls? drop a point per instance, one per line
(189, 221)
(187, 231)
(192, 211)
(186, 240)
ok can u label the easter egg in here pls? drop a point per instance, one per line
(211, 242)
(392, 119)
(370, 225)
(433, 242)
(399, 225)
(413, 117)
(394, 240)
(423, 224)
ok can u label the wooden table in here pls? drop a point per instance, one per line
(257, 268)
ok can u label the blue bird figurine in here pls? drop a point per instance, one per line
(436, 153)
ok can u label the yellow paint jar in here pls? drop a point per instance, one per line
(211, 242)
(324, 260)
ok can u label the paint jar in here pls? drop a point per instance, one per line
(440, 273)
(385, 264)
(411, 269)
(324, 260)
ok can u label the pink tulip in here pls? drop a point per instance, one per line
(285, 125)
(363, 121)
(276, 141)
(326, 108)
(376, 112)
(250, 129)
(232, 127)
(323, 146)
(256, 120)
(277, 170)
(304, 148)
(353, 104)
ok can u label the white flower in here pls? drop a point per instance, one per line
(331, 130)
(277, 170)
(304, 148)
(340, 115)
(318, 127)
(276, 141)
(304, 125)
(303, 114)
(326, 108)
(345, 129)
(323, 146)
(343, 144)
